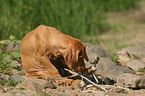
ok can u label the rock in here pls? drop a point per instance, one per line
(137, 51)
(35, 85)
(122, 75)
(43, 83)
(135, 65)
(124, 58)
(88, 65)
(131, 80)
(107, 68)
(14, 71)
(10, 47)
(17, 78)
(31, 85)
(95, 52)
(131, 53)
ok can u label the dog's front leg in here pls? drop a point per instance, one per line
(48, 70)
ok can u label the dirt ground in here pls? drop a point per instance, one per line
(128, 29)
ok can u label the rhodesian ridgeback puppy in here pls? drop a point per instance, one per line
(45, 52)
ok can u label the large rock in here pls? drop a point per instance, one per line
(137, 51)
(122, 75)
(135, 65)
(95, 52)
(107, 68)
(35, 85)
(31, 85)
(131, 80)
(130, 53)
(124, 58)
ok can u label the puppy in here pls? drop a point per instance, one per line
(45, 52)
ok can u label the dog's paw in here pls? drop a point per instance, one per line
(70, 82)
(65, 82)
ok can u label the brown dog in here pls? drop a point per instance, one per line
(45, 51)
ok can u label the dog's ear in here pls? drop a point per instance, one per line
(85, 54)
(71, 57)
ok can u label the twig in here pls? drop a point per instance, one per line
(98, 86)
(89, 86)
(95, 78)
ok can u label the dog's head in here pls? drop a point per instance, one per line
(75, 56)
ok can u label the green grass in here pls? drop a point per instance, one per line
(7, 58)
(78, 18)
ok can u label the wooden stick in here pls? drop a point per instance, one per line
(95, 78)
(98, 86)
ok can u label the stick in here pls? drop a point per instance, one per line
(95, 78)
(98, 86)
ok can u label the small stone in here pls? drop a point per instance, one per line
(14, 71)
(17, 78)
(10, 47)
